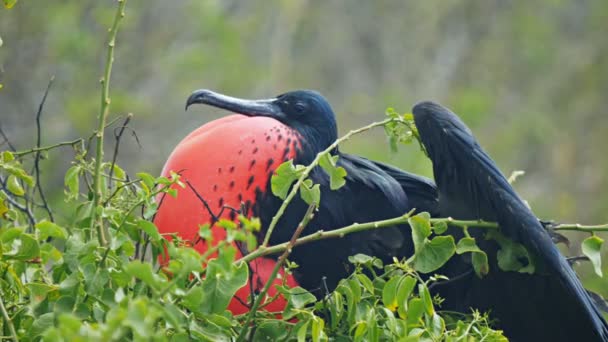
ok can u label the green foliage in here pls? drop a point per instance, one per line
(9, 3)
(336, 173)
(284, 176)
(401, 129)
(591, 247)
(58, 282)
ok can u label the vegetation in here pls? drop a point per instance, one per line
(93, 274)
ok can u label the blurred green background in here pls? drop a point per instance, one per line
(530, 78)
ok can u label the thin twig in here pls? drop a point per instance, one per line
(8, 321)
(305, 220)
(120, 187)
(96, 220)
(214, 218)
(46, 148)
(117, 145)
(309, 168)
(6, 140)
(45, 204)
(581, 227)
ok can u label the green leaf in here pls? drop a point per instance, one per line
(283, 177)
(337, 178)
(39, 291)
(144, 272)
(6, 157)
(440, 227)
(72, 182)
(9, 3)
(297, 298)
(421, 229)
(10, 234)
(302, 332)
(147, 179)
(367, 283)
(415, 311)
(24, 248)
(49, 229)
(434, 253)
(310, 193)
(150, 229)
(427, 301)
(193, 299)
(118, 172)
(480, 263)
(591, 247)
(406, 286)
(64, 304)
(221, 283)
(317, 329)
(466, 245)
(12, 184)
(337, 174)
(271, 330)
(512, 256)
(389, 293)
(42, 323)
(365, 260)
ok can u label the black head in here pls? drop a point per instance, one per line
(306, 111)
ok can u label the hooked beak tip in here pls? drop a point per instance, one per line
(198, 96)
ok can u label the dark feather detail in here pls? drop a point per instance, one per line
(549, 305)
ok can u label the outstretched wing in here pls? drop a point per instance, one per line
(471, 187)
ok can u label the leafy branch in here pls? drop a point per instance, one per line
(96, 220)
(275, 271)
(8, 321)
(304, 172)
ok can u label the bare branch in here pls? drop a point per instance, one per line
(37, 157)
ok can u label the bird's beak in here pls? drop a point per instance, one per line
(266, 107)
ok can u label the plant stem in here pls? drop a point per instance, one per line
(309, 168)
(321, 234)
(357, 227)
(8, 321)
(582, 228)
(96, 221)
(275, 271)
(46, 148)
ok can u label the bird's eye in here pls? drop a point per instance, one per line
(300, 107)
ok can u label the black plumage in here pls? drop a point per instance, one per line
(549, 305)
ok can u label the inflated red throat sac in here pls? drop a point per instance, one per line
(228, 162)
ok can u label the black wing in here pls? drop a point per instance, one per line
(551, 305)
(421, 191)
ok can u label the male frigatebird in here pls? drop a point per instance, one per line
(230, 161)
(549, 305)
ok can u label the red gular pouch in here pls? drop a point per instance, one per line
(226, 164)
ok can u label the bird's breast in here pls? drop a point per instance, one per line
(226, 164)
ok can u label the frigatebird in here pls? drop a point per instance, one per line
(243, 151)
(304, 124)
